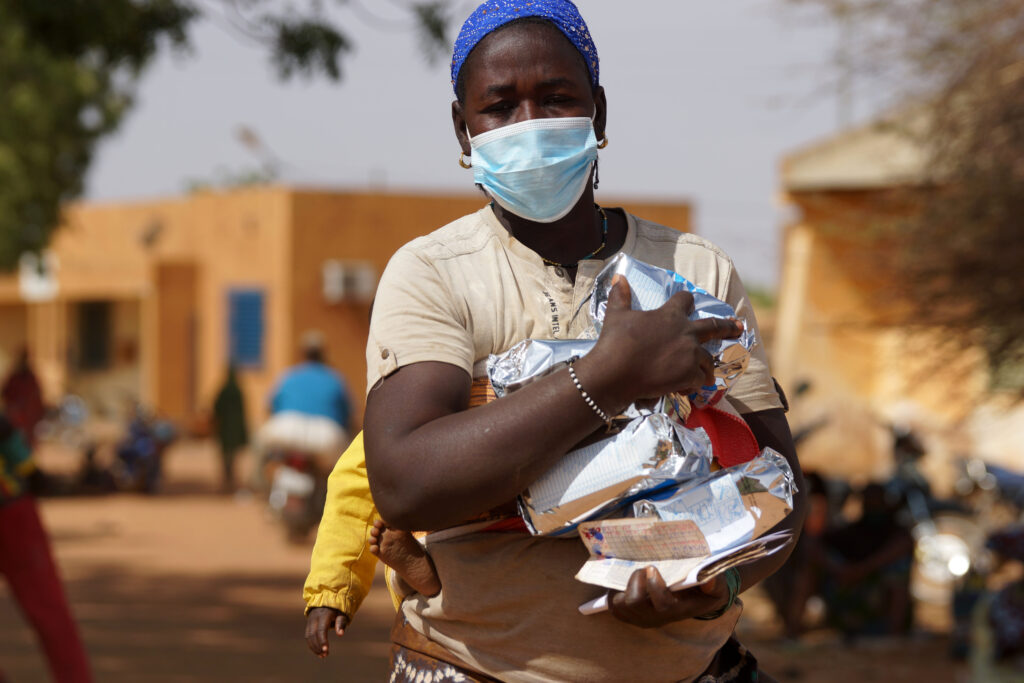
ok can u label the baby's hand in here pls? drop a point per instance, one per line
(318, 622)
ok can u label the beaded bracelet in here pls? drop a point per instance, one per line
(586, 397)
(732, 579)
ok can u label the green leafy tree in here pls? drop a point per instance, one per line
(69, 70)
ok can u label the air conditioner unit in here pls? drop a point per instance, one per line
(37, 276)
(348, 281)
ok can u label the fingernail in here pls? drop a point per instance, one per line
(617, 278)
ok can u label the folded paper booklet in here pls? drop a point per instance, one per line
(647, 538)
(679, 573)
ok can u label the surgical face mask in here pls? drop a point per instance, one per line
(536, 169)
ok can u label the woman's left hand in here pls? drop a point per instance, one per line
(648, 603)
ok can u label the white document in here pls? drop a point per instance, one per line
(614, 573)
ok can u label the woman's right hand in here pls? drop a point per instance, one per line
(647, 354)
(319, 622)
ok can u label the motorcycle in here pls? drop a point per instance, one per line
(138, 456)
(298, 491)
(948, 539)
(994, 492)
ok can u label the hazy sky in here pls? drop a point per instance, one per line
(704, 100)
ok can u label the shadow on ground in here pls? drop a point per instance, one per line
(204, 628)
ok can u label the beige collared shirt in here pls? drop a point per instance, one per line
(509, 603)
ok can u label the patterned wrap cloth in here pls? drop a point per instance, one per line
(496, 13)
(732, 664)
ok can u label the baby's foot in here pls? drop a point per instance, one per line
(402, 552)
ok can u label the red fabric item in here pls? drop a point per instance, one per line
(732, 442)
(27, 564)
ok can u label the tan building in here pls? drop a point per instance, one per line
(838, 329)
(148, 300)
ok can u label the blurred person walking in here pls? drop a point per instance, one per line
(230, 424)
(23, 398)
(27, 564)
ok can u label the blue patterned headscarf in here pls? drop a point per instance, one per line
(495, 13)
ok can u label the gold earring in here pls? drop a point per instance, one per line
(462, 161)
(603, 143)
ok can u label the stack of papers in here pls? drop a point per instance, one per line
(677, 549)
(695, 532)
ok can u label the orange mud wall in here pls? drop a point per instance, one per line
(241, 242)
(356, 227)
(167, 267)
(842, 328)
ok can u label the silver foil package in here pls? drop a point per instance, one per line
(651, 288)
(730, 506)
(597, 479)
(532, 359)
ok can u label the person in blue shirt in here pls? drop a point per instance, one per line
(312, 387)
(309, 411)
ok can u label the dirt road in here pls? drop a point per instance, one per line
(193, 586)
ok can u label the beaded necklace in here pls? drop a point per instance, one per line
(604, 241)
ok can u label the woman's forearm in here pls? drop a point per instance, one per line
(461, 463)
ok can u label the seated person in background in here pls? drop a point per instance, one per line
(867, 570)
(997, 624)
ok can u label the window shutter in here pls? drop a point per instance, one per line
(245, 326)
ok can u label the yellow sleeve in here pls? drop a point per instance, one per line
(342, 567)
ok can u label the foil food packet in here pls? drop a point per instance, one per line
(593, 481)
(730, 506)
(532, 359)
(651, 288)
